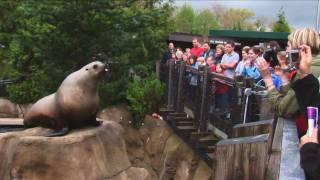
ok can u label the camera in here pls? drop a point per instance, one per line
(270, 55)
(293, 56)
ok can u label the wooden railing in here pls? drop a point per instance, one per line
(200, 98)
(257, 149)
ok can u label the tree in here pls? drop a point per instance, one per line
(46, 41)
(219, 12)
(233, 18)
(261, 23)
(238, 18)
(204, 22)
(281, 25)
(184, 19)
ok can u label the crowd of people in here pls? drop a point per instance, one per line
(292, 85)
(224, 60)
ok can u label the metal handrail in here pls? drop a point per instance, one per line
(7, 81)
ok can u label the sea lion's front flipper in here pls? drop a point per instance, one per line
(61, 132)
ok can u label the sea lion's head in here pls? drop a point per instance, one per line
(96, 69)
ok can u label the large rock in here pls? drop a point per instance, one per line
(156, 148)
(91, 153)
(115, 150)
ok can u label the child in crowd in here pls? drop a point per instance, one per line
(193, 77)
(201, 61)
(184, 57)
(179, 54)
(218, 88)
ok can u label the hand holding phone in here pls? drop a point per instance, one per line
(306, 139)
(306, 59)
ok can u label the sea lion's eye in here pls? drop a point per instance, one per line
(95, 66)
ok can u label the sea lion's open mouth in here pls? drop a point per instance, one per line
(102, 73)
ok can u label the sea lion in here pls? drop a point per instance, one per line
(74, 104)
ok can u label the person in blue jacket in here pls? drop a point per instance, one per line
(251, 70)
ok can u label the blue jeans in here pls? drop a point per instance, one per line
(222, 101)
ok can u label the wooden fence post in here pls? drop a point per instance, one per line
(180, 99)
(197, 97)
(254, 129)
(170, 85)
(242, 158)
(203, 116)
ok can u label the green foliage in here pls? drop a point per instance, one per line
(30, 88)
(259, 26)
(113, 92)
(144, 97)
(6, 70)
(204, 22)
(186, 20)
(281, 25)
(238, 19)
(47, 41)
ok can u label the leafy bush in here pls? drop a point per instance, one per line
(31, 89)
(144, 97)
(113, 92)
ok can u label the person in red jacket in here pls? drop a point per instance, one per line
(218, 88)
(197, 49)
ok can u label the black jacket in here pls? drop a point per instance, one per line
(307, 93)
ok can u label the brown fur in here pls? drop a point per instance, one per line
(75, 102)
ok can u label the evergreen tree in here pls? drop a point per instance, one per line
(281, 25)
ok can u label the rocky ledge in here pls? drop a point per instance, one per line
(114, 150)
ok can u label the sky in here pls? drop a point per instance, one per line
(299, 13)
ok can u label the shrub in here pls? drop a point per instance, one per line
(113, 92)
(144, 97)
(31, 89)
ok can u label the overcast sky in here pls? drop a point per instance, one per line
(299, 13)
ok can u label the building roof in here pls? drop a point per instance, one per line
(250, 35)
(183, 37)
(249, 38)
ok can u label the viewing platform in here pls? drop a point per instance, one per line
(251, 145)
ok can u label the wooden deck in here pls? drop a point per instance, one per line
(263, 148)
